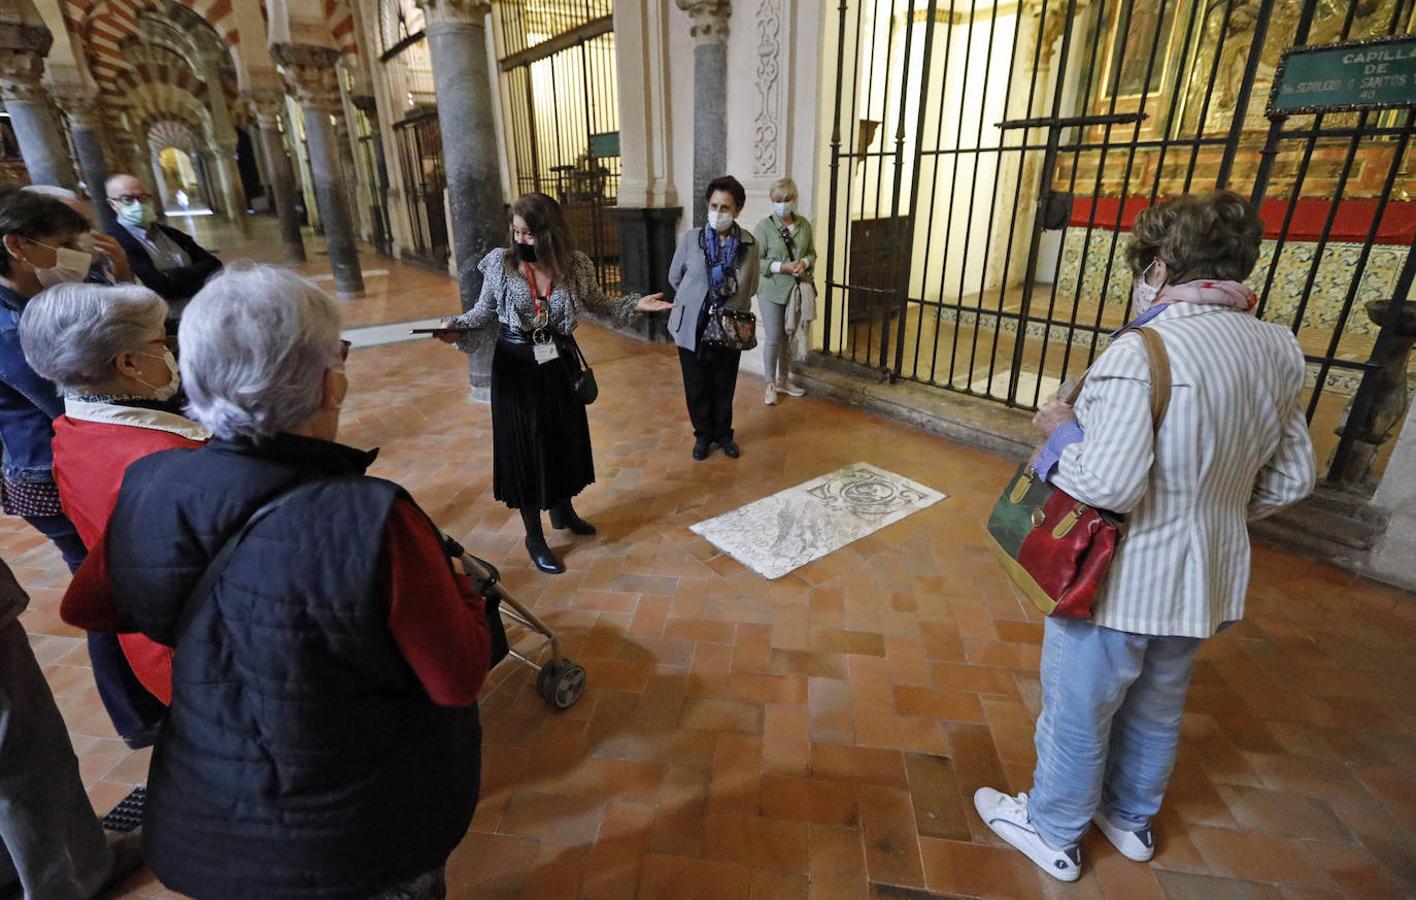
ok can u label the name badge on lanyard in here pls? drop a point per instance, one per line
(545, 351)
(542, 345)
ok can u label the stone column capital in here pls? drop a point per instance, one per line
(311, 74)
(79, 103)
(710, 19)
(268, 104)
(455, 12)
(21, 72)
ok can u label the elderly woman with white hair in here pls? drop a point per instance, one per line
(327, 658)
(105, 348)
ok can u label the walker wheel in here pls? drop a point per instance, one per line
(561, 684)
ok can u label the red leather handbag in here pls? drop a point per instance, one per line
(1055, 549)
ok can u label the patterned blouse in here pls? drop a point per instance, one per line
(506, 298)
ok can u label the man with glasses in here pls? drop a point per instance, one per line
(163, 258)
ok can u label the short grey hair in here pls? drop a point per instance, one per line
(53, 190)
(781, 189)
(256, 341)
(71, 334)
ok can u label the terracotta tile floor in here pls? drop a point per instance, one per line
(821, 735)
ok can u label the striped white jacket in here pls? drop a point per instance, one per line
(1234, 446)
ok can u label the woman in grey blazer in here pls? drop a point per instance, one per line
(1233, 447)
(713, 268)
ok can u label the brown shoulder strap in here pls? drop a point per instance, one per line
(1159, 360)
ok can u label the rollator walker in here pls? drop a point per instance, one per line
(559, 681)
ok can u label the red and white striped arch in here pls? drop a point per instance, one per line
(103, 26)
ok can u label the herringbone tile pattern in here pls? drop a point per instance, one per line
(820, 736)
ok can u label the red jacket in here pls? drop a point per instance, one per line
(438, 623)
(94, 443)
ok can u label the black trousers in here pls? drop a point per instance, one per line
(709, 381)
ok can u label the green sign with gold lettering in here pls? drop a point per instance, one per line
(1374, 74)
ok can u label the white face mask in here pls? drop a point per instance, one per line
(1143, 293)
(168, 390)
(784, 209)
(720, 220)
(70, 266)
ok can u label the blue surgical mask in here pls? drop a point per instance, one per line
(784, 209)
(137, 213)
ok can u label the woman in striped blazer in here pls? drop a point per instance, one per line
(1234, 446)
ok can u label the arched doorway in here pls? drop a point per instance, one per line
(185, 183)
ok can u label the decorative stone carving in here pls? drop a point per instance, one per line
(268, 104)
(455, 12)
(1054, 24)
(311, 74)
(765, 130)
(710, 19)
(80, 104)
(20, 74)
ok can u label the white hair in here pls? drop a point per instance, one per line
(53, 190)
(72, 334)
(256, 341)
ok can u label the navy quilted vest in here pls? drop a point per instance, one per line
(301, 756)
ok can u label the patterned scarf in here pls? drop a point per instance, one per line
(720, 255)
(1233, 294)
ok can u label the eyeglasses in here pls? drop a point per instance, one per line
(132, 198)
(344, 350)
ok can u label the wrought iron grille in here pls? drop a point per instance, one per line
(424, 183)
(987, 160)
(562, 115)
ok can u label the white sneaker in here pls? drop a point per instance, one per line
(1008, 818)
(770, 398)
(1134, 845)
(791, 388)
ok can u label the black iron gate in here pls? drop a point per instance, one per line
(424, 184)
(562, 115)
(988, 158)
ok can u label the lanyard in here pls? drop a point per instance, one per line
(542, 317)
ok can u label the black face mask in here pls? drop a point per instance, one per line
(527, 252)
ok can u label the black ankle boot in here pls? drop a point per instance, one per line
(542, 555)
(564, 516)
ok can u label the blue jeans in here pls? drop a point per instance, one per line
(136, 714)
(1109, 729)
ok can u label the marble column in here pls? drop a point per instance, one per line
(345, 138)
(86, 126)
(269, 104)
(253, 132)
(710, 95)
(148, 171)
(32, 115)
(457, 42)
(228, 174)
(315, 84)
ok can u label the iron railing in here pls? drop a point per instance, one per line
(987, 159)
(562, 115)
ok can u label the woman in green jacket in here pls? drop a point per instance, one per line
(787, 257)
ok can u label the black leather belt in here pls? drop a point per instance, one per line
(522, 338)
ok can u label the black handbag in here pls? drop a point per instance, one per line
(582, 377)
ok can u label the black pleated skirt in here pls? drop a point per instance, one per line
(541, 452)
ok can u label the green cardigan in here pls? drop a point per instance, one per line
(777, 286)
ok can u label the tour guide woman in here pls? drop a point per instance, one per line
(713, 269)
(536, 288)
